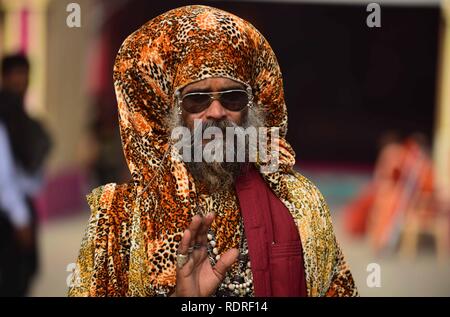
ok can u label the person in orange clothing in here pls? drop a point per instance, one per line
(182, 227)
(387, 171)
(395, 197)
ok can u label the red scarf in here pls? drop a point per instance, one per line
(273, 240)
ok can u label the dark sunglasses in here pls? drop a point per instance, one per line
(233, 100)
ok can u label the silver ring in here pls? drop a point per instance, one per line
(182, 260)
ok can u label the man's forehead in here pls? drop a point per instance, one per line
(212, 84)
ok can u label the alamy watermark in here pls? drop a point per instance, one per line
(73, 279)
(73, 19)
(373, 20)
(374, 277)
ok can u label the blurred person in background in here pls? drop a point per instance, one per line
(427, 213)
(412, 181)
(23, 147)
(387, 171)
(402, 187)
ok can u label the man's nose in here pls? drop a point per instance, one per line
(215, 111)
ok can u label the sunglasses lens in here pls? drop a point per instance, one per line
(234, 100)
(195, 103)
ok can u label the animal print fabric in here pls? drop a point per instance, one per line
(129, 247)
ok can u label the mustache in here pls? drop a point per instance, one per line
(221, 124)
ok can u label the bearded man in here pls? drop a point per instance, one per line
(190, 226)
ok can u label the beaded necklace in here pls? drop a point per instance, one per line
(239, 279)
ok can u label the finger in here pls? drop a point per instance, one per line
(225, 262)
(202, 236)
(201, 250)
(201, 241)
(196, 255)
(185, 242)
(186, 270)
(199, 255)
(194, 228)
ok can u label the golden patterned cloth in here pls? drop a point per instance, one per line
(129, 247)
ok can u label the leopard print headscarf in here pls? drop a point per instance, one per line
(131, 241)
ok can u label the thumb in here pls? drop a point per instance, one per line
(225, 262)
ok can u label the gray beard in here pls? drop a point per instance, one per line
(219, 176)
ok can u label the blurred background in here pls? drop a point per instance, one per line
(369, 119)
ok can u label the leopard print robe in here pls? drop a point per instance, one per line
(129, 247)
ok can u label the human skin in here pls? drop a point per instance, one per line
(198, 277)
(215, 111)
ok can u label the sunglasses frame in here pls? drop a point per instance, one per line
(179, 99)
